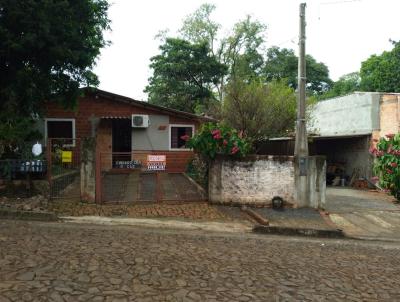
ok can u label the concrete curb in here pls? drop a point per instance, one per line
(257, 217)
(276, 230)
(28, 215)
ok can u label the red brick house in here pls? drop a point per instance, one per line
(124, 125)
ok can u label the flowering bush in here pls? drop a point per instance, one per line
(386, 165)
(213, 139)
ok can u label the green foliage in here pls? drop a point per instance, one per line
(213, 139)
(47, 51)
(241, 50)
(182, 75)
(281, 63)
(199, 27)
(197, 169)
(345, 85)
(387, 163)
(382, 72)
(260, 110)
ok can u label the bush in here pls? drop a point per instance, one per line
(213, 139)
(387, 162)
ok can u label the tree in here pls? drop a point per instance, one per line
(182, 75)
(346, 84)
(382, 72)
(260, 110)
(47, 51)
(281, 63)
(241, 50)
(199, 27)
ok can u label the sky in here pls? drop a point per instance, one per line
(339, 33)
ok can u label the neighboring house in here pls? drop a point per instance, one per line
(343, 129)
(346, 126)
(123, 125)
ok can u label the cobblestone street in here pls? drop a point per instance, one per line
(69, 262)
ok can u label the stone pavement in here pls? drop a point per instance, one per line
(364, 214)
(189, 210)
(68, 262)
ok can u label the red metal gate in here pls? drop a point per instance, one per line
(130, 177)
(64, 168)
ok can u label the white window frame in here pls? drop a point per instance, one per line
(170, 133)
(54, 119)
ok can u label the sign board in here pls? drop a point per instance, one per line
(156, 162)
(66, 156)
(127, 164)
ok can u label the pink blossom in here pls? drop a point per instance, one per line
(394, 165)
(185, 137)
(225, 142)
(389, 171)
(375, 179)
(389, 135)
(216, 133)
(235, 150)
(373, 150)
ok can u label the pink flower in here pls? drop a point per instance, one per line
(394, 165)
(185, 137)
(225, 142)
(389, 135)
(235, 150)
(375, 179)
(373, 150)
(389, 171)
(216, 133)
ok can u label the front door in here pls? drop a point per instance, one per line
(121, 141)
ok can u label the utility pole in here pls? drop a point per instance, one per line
(301, 144)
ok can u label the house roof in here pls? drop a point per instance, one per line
(146, 105)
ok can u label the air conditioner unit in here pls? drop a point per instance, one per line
(140, 121)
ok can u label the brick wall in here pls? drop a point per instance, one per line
(389, 114)
(254, 180)
(98, 107)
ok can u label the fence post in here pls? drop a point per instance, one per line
(48, 155)
(98, 189)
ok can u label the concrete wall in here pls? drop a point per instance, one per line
(356, 113)
(88, 169)
(254, 180)
(315, 182)
(155, 137)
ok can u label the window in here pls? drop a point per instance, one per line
(176, 133)
(60, 128)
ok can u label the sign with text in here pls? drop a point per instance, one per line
(66, 156)
(156, 162)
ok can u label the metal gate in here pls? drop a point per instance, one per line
(64, 168)
(125, 177)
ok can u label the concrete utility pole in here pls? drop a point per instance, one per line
(301, 144)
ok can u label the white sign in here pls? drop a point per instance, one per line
(157, 158)
(156, 162)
